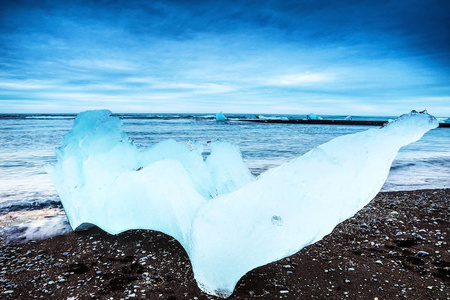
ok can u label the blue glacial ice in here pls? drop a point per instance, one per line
(220, 117)
(312, 116)
(227, 221)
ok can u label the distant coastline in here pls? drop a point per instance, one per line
(329, 122)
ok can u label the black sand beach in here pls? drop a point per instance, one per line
(397, 247)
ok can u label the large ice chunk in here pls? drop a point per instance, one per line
(103, 179)
(296, 204)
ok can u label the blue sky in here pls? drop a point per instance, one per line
(327, 57)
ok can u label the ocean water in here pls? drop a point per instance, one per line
(30, 207)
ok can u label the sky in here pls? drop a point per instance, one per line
(282, 57)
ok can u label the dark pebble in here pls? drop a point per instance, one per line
(422, 254)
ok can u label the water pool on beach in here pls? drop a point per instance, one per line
(27, 144)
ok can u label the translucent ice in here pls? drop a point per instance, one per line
(220, 117)
(104, 179)
(313, 117)
(227, 222)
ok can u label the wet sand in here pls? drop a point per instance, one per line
(397, 247)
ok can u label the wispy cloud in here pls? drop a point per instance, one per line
(299, 79)
(26, 84)
(97, 63)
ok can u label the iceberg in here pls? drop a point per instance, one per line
(227, 221)
(312, 116)
(220, 117)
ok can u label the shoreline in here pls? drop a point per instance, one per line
(327, 122)
(395, 247)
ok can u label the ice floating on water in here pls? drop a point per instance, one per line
(261, 117)
(313, 117)
(221, 117)
(227, 222)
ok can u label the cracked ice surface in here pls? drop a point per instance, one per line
(228, 222)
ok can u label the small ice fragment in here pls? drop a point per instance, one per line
(312, 116)
(220, 117)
